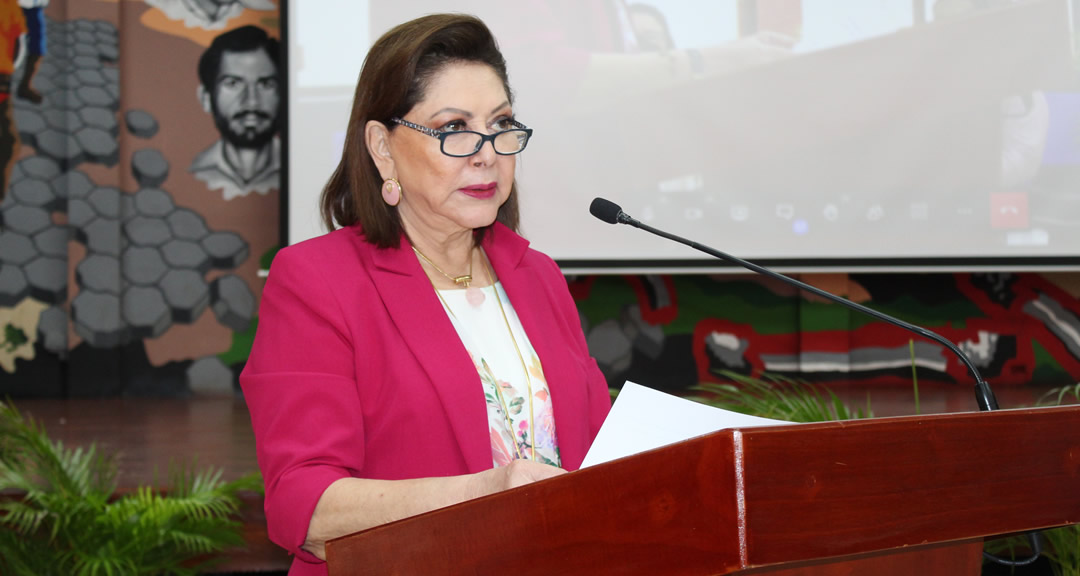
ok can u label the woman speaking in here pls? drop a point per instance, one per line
(421, 354)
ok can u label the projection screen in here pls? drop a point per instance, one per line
(805, 133)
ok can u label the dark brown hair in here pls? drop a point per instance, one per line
(396, 73)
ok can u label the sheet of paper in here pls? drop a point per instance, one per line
(643, 419)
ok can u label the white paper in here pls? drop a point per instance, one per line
(643, 419)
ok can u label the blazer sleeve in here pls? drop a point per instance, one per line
(598, 394)
(300, 387)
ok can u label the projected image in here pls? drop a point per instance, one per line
(804, 129)
(1054, 194)
(887, 143)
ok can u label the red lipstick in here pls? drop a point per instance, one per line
(480, 190)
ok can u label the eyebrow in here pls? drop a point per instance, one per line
(466, 113)
(239, 77)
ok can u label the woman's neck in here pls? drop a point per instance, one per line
(447, 256)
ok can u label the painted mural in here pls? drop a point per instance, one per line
(143, 193)
(672, 332)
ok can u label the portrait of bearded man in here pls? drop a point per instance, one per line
(239, 77)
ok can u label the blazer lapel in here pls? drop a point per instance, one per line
(525, 285)
(429, 334)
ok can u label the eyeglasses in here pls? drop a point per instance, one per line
(464, 143)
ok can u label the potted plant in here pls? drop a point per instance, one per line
(60, 514)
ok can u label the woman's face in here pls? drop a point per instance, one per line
(443, 195)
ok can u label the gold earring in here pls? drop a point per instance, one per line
(391, 191)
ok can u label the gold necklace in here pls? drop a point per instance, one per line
(521, 358)
(524, 369)
(462, 280)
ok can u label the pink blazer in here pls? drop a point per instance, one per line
(357, 371)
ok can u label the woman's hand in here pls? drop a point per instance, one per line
(352, 504)
(514, 474)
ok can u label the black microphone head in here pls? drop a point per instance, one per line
(605, 210)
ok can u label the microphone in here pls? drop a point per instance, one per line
(611, 213)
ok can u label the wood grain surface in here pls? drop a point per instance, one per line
(762, 499)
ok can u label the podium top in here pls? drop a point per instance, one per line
(753, 497)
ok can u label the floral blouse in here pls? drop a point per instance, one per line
(518, 427)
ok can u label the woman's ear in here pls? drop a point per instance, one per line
(377, 138)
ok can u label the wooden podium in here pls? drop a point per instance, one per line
(918, 492)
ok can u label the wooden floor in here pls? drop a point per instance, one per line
(148, 436)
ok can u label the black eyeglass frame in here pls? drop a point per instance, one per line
(484, 138)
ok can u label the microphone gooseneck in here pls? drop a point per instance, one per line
(612, 214)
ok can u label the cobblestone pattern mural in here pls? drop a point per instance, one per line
(106, 244)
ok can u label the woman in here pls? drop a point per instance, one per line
(421, 355)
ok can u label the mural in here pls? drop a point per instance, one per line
(12, 28)
(208, 14)
(35, 41)
(239, 79)
(118, 274)
(674, 332)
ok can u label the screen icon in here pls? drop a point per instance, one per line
(1033, 237)
(1009, 210)
(785, 211)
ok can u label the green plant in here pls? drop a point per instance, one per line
(1061, 546)
(59, 513)
(13, 337)
(779, 398)
(1058, 396)
(1063, 550)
